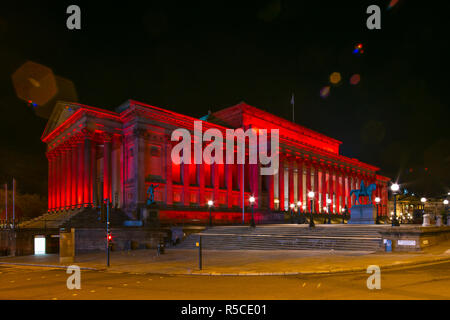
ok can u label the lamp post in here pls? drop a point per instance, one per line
(210, 204)
(292, 206)
(304, 212)
(299, 205)
(377, 201)
(423, 200)
(252, 201)
(394, 188)
(445, 208)
(329, 211)
(311, 219)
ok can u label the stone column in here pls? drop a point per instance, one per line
(107, 168)
(300, 183)
(324, 189)
(186, 199)
(68, 177)
(74, 174)
(216, 182)
(281, 183)
(271, 191)
(332, 190)
(338, 191)
(87, 181)
(229, 183)
(93, 179)
(316, 188)
(308, 186)
(291, 182)
(50, 180)
(169, 182)
(58, 179)
(80, 175)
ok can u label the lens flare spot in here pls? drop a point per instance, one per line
(335, 78)
(325, 91)
(354, 79)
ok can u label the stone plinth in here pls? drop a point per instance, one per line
(426, 220)
(363, 214)
(414, 238)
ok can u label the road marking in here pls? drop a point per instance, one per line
(54, 298)
(109, 288)
(75, 294)
(125, 284)
(92, 291)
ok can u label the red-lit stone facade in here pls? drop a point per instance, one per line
(95, 153)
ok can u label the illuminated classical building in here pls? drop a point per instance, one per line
(96, 154)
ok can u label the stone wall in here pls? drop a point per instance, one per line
(91, 240)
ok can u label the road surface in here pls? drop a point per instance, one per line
(421, 282)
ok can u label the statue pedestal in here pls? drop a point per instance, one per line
(426, 220)
(151, 216)
(363, 214)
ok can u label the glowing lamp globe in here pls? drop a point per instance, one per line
(395, 187)
(311, 194)
(446, 202)
(328, 201)
(292, 206)
(252, 199)
(299, 204)
(210, 203)
(377, 199)
(423, 200)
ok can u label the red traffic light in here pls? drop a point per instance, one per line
(109, 237)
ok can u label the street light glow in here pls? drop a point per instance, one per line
(210, 203)
(377, 199)
(252, 199)
(423, 199)
(446, 202)
(395, 187)
(328, 201)
(299, 204)
(311, 194)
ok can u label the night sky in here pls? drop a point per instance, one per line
(192, 57)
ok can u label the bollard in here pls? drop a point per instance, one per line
(199, 245)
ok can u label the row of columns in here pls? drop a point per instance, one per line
(72, 172)
(336, 188)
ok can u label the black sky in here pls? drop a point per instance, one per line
(194, 57)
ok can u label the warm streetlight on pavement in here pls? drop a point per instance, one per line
(395, 188)
(311, 219)
(377, 201)
(210, 204)
(329, 211)
(252, 201)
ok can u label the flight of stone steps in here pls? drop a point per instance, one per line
(288, 237)
(50, 220)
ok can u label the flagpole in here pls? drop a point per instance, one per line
(14, 202)
(293, 108)
(6, 202)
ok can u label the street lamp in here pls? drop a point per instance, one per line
(343, 210)
(292, 206)
(394, 188)
(329, 211)
(377, 201)
(423, 200)
(311, 219)
(299, 205)
(252, 201)
(210, 204)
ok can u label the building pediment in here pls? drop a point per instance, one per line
(62, 111)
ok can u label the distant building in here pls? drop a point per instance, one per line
(95, 154)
